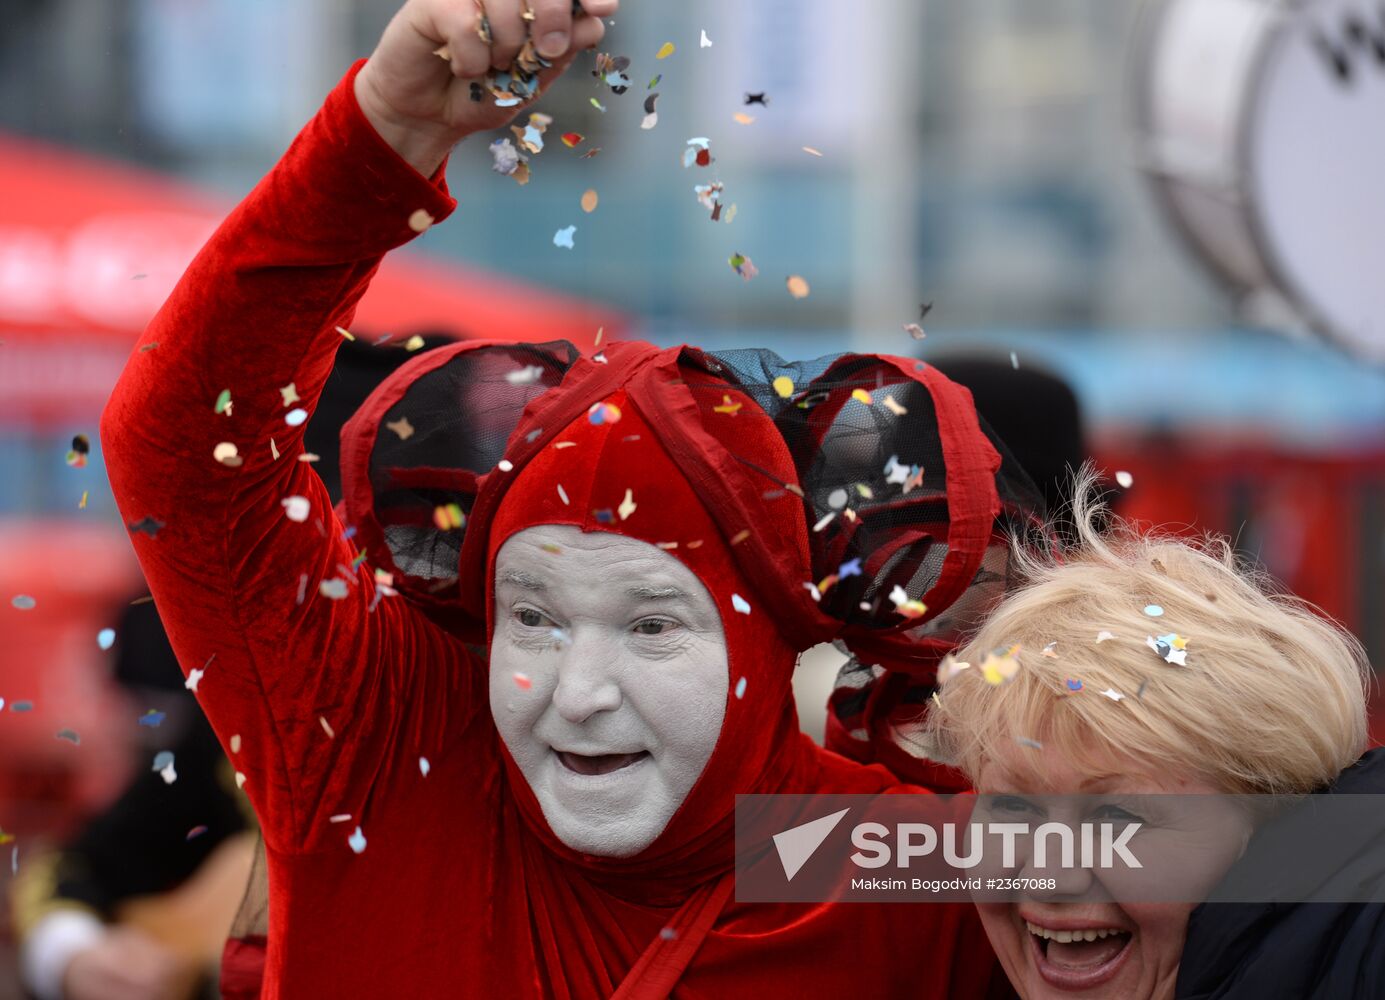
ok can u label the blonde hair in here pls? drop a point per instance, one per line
(1271, 699)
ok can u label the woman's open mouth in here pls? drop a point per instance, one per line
(1078, 959)
(599, 764)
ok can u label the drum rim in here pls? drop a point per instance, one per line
(1151, 20)
(1282, 279)
(1146, 38)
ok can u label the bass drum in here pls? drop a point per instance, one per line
(1262, 127)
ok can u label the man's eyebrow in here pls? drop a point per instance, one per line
(648, 593)
(522, 580)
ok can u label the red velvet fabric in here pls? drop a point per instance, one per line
(327, 704)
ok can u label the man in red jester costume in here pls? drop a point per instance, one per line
(494, 712)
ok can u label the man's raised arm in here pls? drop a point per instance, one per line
(273, 620)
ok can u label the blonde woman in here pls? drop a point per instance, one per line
(1151, 665)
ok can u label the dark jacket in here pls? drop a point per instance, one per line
(1304, 951)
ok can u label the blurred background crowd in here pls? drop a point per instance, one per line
(976, 156)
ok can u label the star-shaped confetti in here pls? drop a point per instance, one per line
(1171, 648)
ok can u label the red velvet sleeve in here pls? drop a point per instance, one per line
(318, 690)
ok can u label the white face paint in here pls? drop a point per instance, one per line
(624, 656)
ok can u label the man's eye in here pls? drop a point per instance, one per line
(529, 617)
(653, 626)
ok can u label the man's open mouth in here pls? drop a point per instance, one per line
(600, 763)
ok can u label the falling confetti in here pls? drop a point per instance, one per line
(22, 706)
(333, 589)
(705, 42)
(798, 286)
(563, 237)
(522, 681)
(1014, 361)
(77, 454)
(223, 402)
(811, 151)
(448, 517)
(665, 50)
(572, 139)
(761, 99)
(905, 605)
(70, 735)
(562, 495)
(1154, 611)
(424, 767)
(740, 604)
(1000, 666)
(914, 330)
(235, 743)
(783, 386)
(590, 199)
(698, 151)
(1073, 684)
(1051, 651)
(227, 454)
(1124, 480)
(327, 727)
(862, 397)
(296, 417)
(894, 407)
(152, 719)
(1025, 741)
(1103, 636)
(741, 118)
(420, 220)
(1171, 648)
(195, 832)
(401, 427)
(345, 333)
(23, 602)
(507, 161)
(950, 667)
(194, 678)
(743, 265)
(1113, 694)
(740, 689)
(603, 413)
(728, 406)
(356, 841)
(627, 506)
(296, 508)
(163, 765)
(105, 638)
